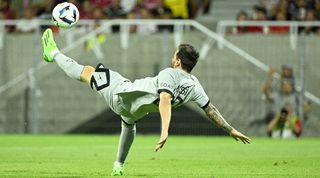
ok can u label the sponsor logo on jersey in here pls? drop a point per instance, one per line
(165, 85)
(180, 93)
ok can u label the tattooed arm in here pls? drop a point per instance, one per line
(215, 116)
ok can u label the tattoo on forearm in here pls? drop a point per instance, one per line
(213, 113)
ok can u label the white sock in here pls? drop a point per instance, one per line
(68, 65)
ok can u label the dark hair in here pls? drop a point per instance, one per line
(188, 56)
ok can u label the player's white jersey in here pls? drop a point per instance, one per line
(134, 100)
(183, 87)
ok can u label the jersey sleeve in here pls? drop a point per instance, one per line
(200, 97)
(166, 81)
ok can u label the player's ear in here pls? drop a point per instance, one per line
(178, 62)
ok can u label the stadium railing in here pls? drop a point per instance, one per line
(180, 27)
(227, 26)
(219, 36)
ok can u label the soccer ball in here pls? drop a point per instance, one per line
(65, 15)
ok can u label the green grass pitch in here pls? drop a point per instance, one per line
(182, 156)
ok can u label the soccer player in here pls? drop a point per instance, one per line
(171, 88)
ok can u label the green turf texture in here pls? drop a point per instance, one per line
(182, 156)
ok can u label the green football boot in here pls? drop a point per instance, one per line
(117, 170)
(49, 45)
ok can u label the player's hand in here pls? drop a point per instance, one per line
(162, 141)
(238, 135)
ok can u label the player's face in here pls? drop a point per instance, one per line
(174, 60)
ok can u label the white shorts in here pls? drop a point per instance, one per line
(108, 83)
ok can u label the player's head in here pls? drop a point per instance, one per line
(186, 57)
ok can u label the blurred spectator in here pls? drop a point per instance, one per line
(287, 74)
(146, 28)
(29, 22)
(291, 9)
(277, 99)
(285, 124)
(128, 5)
(45, 9)
(259, 13)
(137, 10)
(281, 91)
(136, 13)
(280, 29)
(179, 8)
(5, 10)
(195, 5)
(241, 16)
(98, 13)
(6, 13)
(101, 3)
(140, 12)
(149, 4)
(88, 9)
(317, 9)
(298, 9)
(272, 88)
(281, 10)
(271, 7)
(114, 11)
(310, 16)
(286, 95)
(162, 12)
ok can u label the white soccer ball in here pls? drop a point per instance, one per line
(65, 15)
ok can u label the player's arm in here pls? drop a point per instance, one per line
(215, 116)
(165, 114)
(86, 74)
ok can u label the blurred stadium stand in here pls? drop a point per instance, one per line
(226, 10)
(47, 101)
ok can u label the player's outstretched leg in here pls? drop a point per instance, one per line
(126, 139)
(51, 53)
